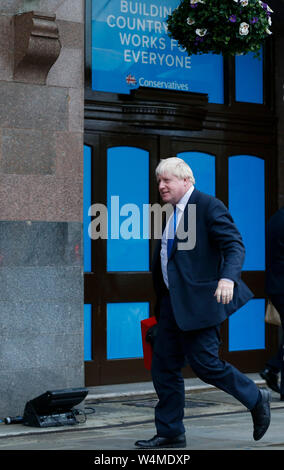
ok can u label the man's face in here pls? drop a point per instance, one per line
(172, 188)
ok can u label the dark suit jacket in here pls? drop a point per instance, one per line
(275, 254)
(194, 274)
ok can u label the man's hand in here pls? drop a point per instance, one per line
(225, 291)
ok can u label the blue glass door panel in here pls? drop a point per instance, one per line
(247, 206)
(87, 201)
(124, 329)
(247, 327)
(127, 192)
(249, 78)
(203, 167)
(88, 332)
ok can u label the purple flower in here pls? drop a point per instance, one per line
(254, 20)
(265, 6)
(194, 5)
(198, 39)
(233, 18)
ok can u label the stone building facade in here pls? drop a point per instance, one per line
(41, 168)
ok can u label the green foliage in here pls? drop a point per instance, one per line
(227, 27)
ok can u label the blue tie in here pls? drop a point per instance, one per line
(172, 231)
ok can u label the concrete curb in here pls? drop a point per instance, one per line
(99, 394)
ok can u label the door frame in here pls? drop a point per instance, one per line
(102, 287)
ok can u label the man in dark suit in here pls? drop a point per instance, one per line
(275, 291)
(198, 285)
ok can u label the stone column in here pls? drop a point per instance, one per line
(41, 175)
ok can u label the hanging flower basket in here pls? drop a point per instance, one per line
(221, 26)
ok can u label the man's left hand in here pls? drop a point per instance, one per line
(225, 291)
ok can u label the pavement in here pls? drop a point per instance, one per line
(112, 418)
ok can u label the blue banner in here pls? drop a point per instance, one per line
(131, 48)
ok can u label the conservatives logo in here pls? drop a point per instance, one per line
(131, 80)
(143, 82)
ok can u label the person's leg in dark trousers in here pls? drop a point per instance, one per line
(201, 349)
(167, 362)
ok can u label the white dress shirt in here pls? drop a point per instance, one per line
(179, 213)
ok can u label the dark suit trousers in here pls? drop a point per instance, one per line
(174, 349)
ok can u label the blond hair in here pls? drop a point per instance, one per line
(175, 166)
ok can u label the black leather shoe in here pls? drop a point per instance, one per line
(271, 378)
(163, 442)
(261, 415)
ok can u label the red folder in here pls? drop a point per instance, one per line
(147, 348)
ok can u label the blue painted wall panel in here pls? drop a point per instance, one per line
(124, 329)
